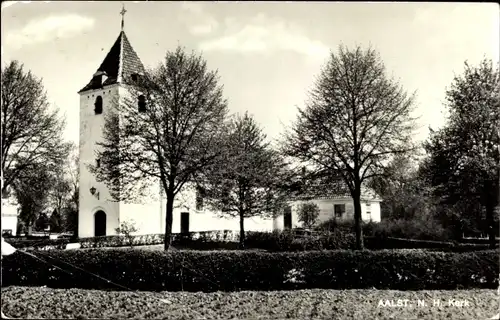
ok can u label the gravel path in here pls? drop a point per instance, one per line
(36, 302)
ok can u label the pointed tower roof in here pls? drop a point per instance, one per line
(118, 66)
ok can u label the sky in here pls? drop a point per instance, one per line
(267, 53)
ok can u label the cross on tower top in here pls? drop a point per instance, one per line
(123, 15)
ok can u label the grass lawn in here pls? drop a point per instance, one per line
(38, 303)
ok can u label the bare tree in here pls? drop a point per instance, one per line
(31, 133)
(355, 121)
(164, 133)
(245, 182)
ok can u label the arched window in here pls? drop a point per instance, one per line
(98, 105)
(141, 103)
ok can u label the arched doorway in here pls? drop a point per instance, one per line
(100, 223)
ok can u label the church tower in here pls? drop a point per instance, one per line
(99, 215)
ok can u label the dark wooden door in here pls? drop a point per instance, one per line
(100, 223)
(287, 217)
(184, 222)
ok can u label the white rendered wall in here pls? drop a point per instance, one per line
(91, 126)
(208, 220)
(146, 213)
(326, 207)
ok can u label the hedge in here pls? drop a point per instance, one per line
(254, 270)
(271, 241)
(208, 240)
(120, 241)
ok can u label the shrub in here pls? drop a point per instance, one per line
(274, 241)
(127, 228)
(346, 226)
(411, 229)
(334, 224)
(308, 214)
(254, 270)
(424, 229)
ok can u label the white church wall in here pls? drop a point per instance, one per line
(207, 219)
(91, 126)
(146, 217)
(146, 212)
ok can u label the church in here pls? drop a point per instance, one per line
(99, 215)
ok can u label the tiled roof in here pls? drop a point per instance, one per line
(333, 190)
(118, 65)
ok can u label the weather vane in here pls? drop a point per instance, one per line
(123, 15)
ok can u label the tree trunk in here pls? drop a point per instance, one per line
(357, 217)
(242, 231)
(169, 217)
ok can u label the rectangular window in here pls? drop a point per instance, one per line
(339, 210)
(368, 210)
(184, 222)
(98, 163)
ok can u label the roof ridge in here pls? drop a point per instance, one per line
(120, 62)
